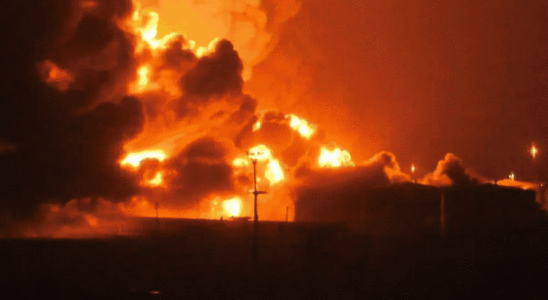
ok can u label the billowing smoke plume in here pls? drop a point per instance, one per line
(64, 112)
(198, 171)
(252, 26)
(451, 171)
(381, 170)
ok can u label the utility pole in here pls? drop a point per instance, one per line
(254, 159)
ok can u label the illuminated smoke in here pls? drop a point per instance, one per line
(248, 24)
(451, 171)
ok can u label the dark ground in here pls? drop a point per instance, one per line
(213, 260)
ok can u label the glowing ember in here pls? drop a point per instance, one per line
(512, 176)
(534, 151)
(274, 172)
(259, 153)
(335, 158)
(54, 75)
(301, 126)
(412, 168)
(233, 207)
(135, 158)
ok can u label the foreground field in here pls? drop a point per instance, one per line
(212, 259)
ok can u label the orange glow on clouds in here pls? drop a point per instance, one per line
(55, 76)
(335, 158)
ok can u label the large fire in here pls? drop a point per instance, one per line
(274, 172)
(334, 158)
(166, 135)
(134, 159)
(178, 119)
(232, 207)
(178, 177)
(301, 125)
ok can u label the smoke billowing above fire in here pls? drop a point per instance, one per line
(135, 108)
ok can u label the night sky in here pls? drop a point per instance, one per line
(419, 79)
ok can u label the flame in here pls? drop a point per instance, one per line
(412, 168)
(157, 180)
(257, 126)
(534, 151)
(259, 153)
(512, 176)
(335, 158)
(149, 31)
(233, 207)
(240, 162)
(274, 172)
(301, 126)
(143, 76)
(135, 158)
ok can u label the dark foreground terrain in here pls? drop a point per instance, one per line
(214, 260)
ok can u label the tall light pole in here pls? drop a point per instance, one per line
(253, 156)
(534, 151)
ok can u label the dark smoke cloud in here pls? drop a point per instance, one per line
(214, 75)
(176, 56)
(198, 171)
(96, 51)
(65, 144)
(451, 171)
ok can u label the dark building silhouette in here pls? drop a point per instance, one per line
(413, 208)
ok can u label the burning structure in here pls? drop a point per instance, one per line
(421, 209)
